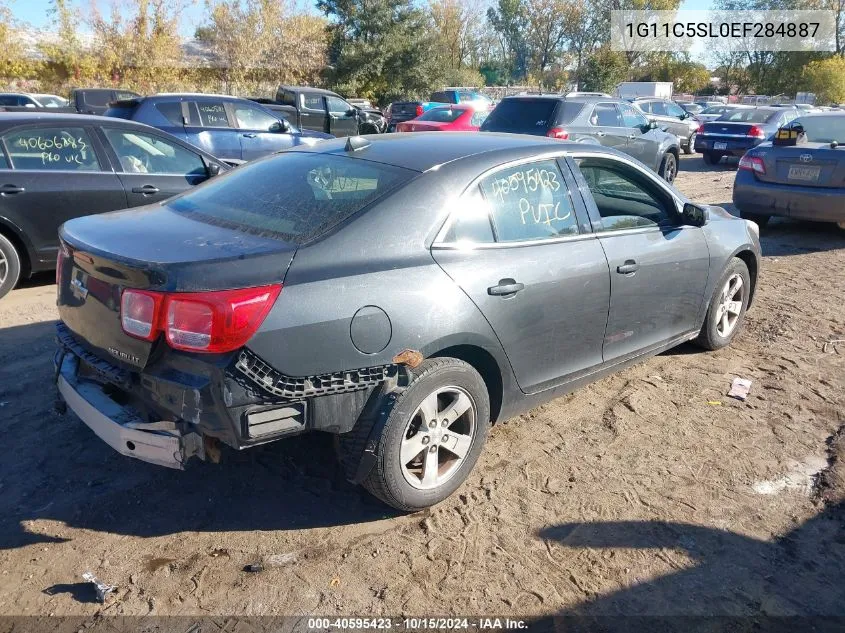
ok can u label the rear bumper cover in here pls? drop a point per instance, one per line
(794, 201)
(734, 146)
(118, 426)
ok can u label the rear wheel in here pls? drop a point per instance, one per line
(711, 158)
(669, 167)
(10, 266)
(727, 307)
(841, 225)
(433, 436)
(690, 148)
(758, 218)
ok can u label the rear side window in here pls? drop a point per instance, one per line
(213, 114)
(606, 115)
(645, 106)
(99, 97)
(440, 97)
(471, 223)
(294, 195)
(659, 108)
(530, 202)
(172, 111)
(312, 101)
(9, 100)
(522, 116)
(4, 164)
(52, 149)
(286, 97)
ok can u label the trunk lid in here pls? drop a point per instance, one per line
(807, 165)
(423, 126)
(728, 129)
(152, 248)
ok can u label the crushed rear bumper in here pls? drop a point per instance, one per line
(160, 443)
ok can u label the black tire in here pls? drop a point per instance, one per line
(710, 338)
(711, 158)
(386, 480)
(10, 266)
(669, 167)
(759, 219)
(690, 148)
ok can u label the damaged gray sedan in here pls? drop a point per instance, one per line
(401, 292)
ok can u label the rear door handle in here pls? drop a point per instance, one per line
(249, 135)
(11, 189)
(600, 134)
(505, 287)
(628, 268)
(146, 190)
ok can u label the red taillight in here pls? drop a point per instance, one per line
(752, 163)
(419, 110)
(216, 322)
(139, 313)
(558, 133)
(700, 129)
(62, 255)
(756, 132)
(212, 322)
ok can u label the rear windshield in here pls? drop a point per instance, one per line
(530, 116)
(824, 129)
(441, 115)
(294, 195)
(749, 116)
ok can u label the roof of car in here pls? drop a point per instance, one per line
(320, 91)
(424, 152)
(560, 97)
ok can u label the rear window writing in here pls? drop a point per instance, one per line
(51, 149)
(213, 115)
(295, 195)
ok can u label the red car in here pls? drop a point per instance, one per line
(446, 118)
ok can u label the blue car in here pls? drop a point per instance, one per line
(737, 131)
(232, 129)
(804, 180)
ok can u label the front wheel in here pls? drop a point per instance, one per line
(669, 167)
(433, 436)
(10, 266)
(727, 307)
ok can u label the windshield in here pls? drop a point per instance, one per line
(824, 129)
(441, 115)
(754, 115)
(294, 195)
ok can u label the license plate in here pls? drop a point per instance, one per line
(720, 146)
(807, 174)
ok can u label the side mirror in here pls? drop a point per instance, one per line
(351, 112)
(280, 127)
(652, 125)
(693, 215)
(213, 169)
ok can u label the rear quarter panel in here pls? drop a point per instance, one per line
(380, 259)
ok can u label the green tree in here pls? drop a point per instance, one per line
(67, 60)
(13, 60)
(826, 78)
(509, 20)
(381, 49)
(603, 70)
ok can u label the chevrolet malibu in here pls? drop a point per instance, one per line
(402, 292)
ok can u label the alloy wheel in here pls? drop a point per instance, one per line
(4, 268)
(438, 437)
(730, 306)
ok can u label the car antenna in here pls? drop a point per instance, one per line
(354, 143)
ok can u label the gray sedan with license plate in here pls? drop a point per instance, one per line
(805, 180)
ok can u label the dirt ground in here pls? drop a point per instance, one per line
(649, 492)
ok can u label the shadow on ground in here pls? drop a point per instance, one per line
(734, 582)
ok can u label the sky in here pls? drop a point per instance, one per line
(35, 12)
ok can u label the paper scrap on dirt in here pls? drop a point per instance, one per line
(101, 588)
(740, 388)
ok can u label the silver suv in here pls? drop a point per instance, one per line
(672, 118)
(593, 119)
